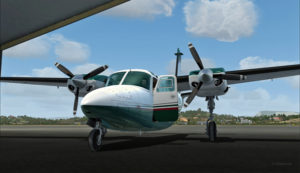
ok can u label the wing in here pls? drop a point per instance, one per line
(265, 73)
(251, 75)
(36, 81)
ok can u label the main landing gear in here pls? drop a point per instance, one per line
(211, 127)
(96, 136)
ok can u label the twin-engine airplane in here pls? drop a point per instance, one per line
(136, 99)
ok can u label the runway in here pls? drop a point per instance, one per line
(177, 149)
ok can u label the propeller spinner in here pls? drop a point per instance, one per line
(79, 80)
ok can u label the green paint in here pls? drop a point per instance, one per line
(124, 118)
(101, 78)
(165, 115)
(214, 70)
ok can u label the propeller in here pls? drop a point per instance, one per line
(95, 72)
(64, 70)
(193, 94)
(206, 76)
(76, 101)
(79, 81)
(196, 56)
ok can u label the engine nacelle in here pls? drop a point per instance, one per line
(85, 86)
(215, 87)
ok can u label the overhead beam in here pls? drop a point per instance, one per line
(59, 24)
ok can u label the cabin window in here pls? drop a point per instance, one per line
(115, 78)
(137, 78)
(166, 84)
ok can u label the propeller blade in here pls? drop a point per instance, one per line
(192, 95)
(76, 101)
(230, 76)
(196, 56)
(64, 70)
(95, 72)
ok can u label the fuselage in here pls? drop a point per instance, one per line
(126, 102)
(139, 100)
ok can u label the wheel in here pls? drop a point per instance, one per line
(95, 139)
(212, 131)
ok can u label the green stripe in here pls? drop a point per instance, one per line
(214, 70)
(157, 106)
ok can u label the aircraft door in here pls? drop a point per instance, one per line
(165, 98)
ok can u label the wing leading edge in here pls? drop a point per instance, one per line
(265, 73)
(252, 75)
(62, 82)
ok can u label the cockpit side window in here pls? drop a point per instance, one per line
(115, 78)
(137, 78)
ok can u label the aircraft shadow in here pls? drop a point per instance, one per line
(139, 142)
(231, 140)
(131, 142)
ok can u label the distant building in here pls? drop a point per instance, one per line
(276, 118)
(245, 121)
(183, 121)
(287, 113)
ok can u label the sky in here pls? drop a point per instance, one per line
(144, 34)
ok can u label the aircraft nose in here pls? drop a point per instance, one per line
(105, 101)
(95, 101)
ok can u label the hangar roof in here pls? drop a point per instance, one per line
(22, 20)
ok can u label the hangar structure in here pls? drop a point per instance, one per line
(22, 20)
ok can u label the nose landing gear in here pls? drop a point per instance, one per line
(211, 127)
(96, 136)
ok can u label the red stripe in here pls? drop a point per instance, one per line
(162, 109)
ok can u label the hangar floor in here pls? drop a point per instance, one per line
(177, 149)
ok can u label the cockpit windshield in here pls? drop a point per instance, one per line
(115, 78)
(137, 78)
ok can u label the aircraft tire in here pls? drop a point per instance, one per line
(95, 143)
(212, 131)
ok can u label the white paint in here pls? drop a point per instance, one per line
(119, 96)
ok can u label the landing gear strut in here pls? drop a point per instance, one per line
(96, 136)
(211, 127)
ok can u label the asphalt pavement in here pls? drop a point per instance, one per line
(177, 149)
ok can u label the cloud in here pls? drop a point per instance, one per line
(47, 72)
(45, 101)
(294, 81)
(36, 48)
(187, 65)
(247, 102)
(224, 20)
(257, 62)
(68, 50)
(38, 101)
(143, 9)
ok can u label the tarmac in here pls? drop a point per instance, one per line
(176, 149)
